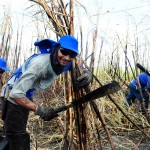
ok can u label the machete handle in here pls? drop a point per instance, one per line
(142, 69)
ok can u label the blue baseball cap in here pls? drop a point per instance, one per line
(3, 65)
(69, 42)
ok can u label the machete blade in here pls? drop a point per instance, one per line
(142, 69)
(102, 91)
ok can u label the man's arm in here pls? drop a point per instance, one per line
(25, 102)
(45, 113)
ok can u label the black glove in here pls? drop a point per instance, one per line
(85, 79)
(45, 113)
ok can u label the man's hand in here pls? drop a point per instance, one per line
(84, 80)
(45, 113)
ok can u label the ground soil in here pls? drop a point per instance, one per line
(134, 140)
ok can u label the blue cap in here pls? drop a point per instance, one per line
(69, 42)
(45, 45)
(3, 65)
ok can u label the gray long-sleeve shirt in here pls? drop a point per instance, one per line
(38, 75)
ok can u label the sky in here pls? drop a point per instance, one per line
(114, 14)
(111, 17)
(118, 18)
(117, 14)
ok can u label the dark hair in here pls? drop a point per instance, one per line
(56, 48)
(54, 61)
(2, 71)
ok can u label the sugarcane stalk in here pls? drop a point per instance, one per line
(102, 119)
(3, 34)
(97, 128)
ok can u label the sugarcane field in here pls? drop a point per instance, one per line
(74, 75)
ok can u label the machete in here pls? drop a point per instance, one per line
(104, 90)
(143, 69)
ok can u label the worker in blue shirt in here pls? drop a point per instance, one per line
(144, 80)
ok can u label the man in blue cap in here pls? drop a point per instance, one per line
(3, 68)
(37, 73)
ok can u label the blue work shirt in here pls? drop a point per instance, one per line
(38, 76)
(144, 81)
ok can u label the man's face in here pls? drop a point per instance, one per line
(65, 56)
